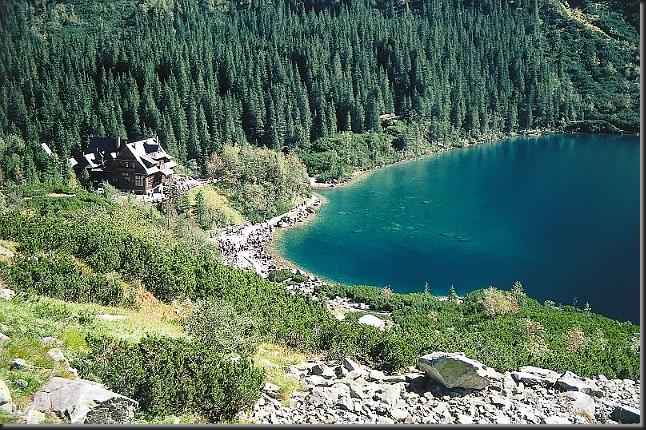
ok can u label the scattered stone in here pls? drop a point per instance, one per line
(3, 338)
(84, 402)
(571, 382)
(376, 375)
(50, 341)
(7, 294)
(399, 414)
(408, 398)
(322, 370)
(351, 365)
(317, 380)
(21, 383)
(453, 370)
(57, 355)
(625, 414)
(35, 417)
(271, 389)
(582, 405)
(556, 420)
(5, 397)
(372, 320)
(526, 378)
(18, 363)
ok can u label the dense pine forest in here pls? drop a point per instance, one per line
(289, 75)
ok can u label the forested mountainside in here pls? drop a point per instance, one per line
(286, 73)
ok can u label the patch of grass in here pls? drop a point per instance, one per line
(29, 318)
(218, 207)
(274, 359)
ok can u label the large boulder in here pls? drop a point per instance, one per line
(455, 370)
(6, 403)
(372, 320)
(571, 382)
(84, 402)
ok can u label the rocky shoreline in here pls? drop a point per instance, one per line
(446, 393)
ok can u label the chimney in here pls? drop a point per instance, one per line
(118, 142)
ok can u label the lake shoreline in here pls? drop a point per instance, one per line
(255, 244)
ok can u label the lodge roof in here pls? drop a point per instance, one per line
(146, 153)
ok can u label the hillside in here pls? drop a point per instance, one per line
(287, 75)
(78, 257)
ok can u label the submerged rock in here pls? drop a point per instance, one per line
(455, 370)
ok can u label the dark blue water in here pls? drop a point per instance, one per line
(559, 213)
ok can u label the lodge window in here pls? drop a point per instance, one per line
(139, 181)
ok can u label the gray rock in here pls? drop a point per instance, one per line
(547, 375)
(582, 404)
(3, 338)
(271, 389)
(625, 414)
(18, 363)
(325, 395)
(371, 320)
(391, 394)
(50, 341)
(571, 382)
(358, 391)
(7, 294)
(5, 394)
(376, 375)
(500, 402)
(57, 355)
(453, 370)
(83, 402)
(322, 370)
(555, 419)
(399, 414)
(21, 383)
(317, 380)
(351, 365)
(528, 379)
(35, 417)
(395, 378)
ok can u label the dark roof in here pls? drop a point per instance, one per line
(101, 144)
(145, 152)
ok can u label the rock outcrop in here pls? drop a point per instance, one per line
(349, 392)
(83, 402)
(455, 370)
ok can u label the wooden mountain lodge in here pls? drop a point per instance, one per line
(141, 166)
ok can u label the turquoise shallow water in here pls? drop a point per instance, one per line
(559, 213)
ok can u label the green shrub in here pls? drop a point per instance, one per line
(282, 275)
(61, 276)
(173, 376)
(218, 325)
